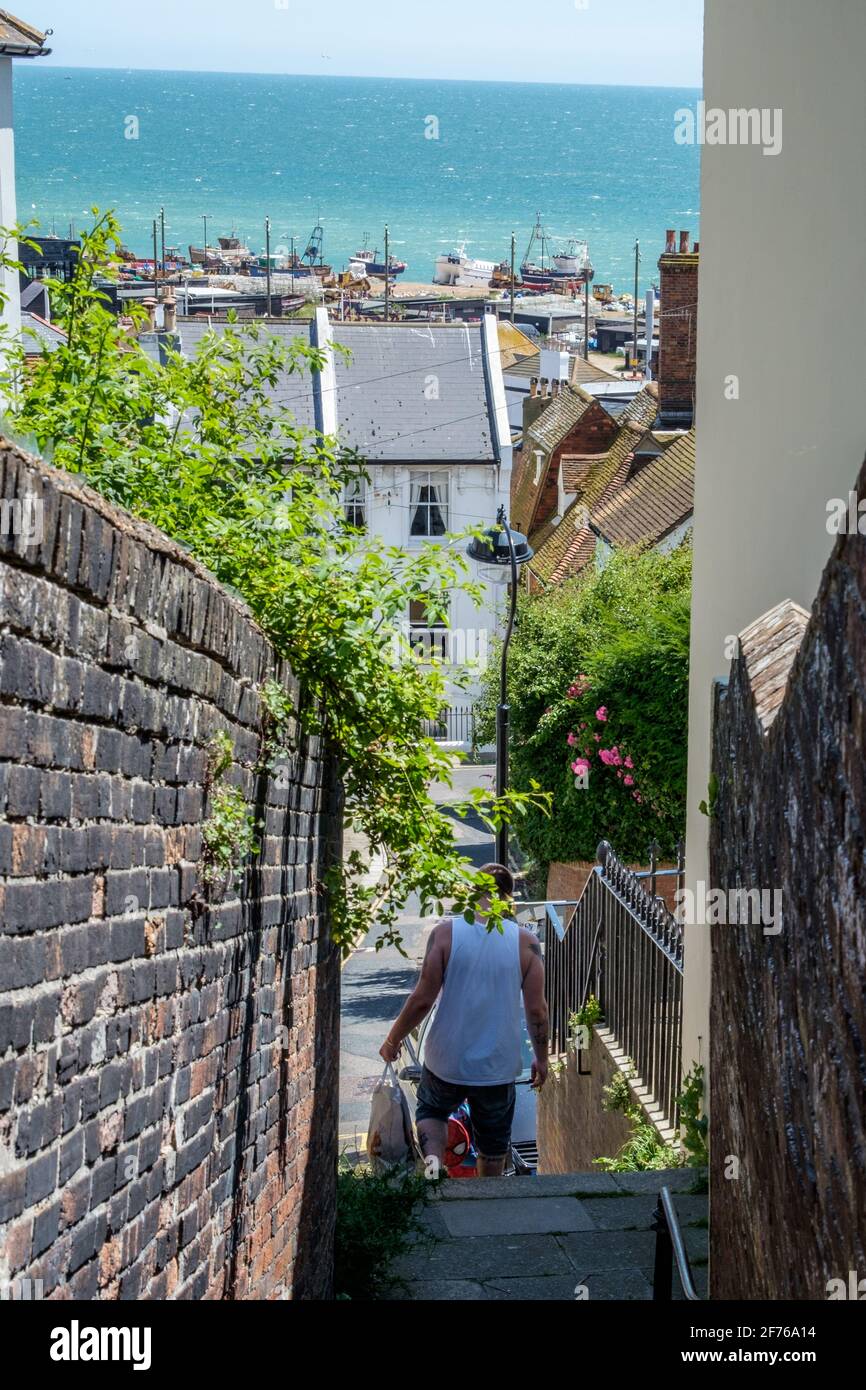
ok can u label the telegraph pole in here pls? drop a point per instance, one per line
(162, 238)
(636, 265)
(268, 263)
(204, 220)
(387, 279)
(586, 320)
(512, 277)
(155, 265)
(292, 263)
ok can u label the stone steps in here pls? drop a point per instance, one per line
(564, 1237)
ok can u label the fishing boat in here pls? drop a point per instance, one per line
(311, 259)
(373, 265)
(569, 264)
(458, 268)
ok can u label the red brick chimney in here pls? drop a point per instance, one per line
(678, 325)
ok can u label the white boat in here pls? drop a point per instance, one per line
(456, 268)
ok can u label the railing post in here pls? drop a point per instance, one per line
(663, 1268)
(653, 850)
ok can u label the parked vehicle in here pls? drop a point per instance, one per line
(524, 1146)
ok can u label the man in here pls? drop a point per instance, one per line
(473, 1048)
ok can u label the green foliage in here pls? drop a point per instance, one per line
(198, 448)
(220, 754)
(708, 807)
(616, 641)
(586, 1017)
(228, 835)
(617, 1094)
(644, 1150)
(694, 1124)
(377, 1220)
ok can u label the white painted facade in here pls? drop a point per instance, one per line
(10, 314)
(792, 436)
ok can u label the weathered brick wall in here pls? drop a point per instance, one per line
(788, 1014)
(168, 1052)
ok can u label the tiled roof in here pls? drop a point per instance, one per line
(583, 370)
(768, 647)
(293, 392)
(37, 333)
(654, 501)
(514, 347)
(563, 413)
(20, 40)
(564, 551)
(642, 410)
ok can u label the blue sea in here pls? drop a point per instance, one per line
(597, 162)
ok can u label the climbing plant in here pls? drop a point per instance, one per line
(598, 688)
(199, 448)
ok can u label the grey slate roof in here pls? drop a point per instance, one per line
(413, 393)
(294, 392)
(37, 333)
(405, 394)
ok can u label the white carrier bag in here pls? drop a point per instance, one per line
(389, 1135)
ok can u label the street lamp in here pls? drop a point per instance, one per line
(498, 553)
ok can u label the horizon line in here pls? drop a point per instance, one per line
(361, 77)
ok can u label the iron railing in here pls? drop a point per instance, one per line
(622, 944)
(454, 725)
(670, 1246)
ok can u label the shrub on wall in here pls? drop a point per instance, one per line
(598, 689)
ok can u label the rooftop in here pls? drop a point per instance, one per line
(20, 40)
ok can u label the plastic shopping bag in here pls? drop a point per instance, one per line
(389, 1135)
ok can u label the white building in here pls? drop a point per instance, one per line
(779, 431)
(424, 406)
(17, 40)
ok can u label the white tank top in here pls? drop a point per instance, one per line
(475, 1037)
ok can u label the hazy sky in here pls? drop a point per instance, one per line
(641, 42)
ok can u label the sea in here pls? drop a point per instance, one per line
(440, 162)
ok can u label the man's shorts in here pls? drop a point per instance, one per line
(491, 1108)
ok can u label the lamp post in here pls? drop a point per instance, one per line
(499, 553)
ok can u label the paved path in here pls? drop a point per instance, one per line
(376, 983)
(581, 1236)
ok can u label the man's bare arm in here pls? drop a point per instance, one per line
(423, 996)
(534, 1002)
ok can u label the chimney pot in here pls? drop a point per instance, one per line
(150, 306)
(696, 248)
(670, 242)
(542, 388)
(554, 388)
(533, 387)
(684, 243)
(169, 314)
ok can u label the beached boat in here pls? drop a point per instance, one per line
(374, 265)
(570, 263)
(457, 268)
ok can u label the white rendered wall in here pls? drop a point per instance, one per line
(782, 307)
(11, 314)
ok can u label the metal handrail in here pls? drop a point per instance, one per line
(670, 1246)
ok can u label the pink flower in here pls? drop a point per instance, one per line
(580, 766)
(616, 759)
(619, 774)
(572, 740)
(629, 763)
(583, 725)
(629, 781)
(601, 713)
(597, 738)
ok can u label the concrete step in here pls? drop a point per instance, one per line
(578, 1236)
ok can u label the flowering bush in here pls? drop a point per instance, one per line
(610, 741)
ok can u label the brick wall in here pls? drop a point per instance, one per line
(678, 338)
(594, 433)
(573, 1128)
(788, 1013)
(168, 1051)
